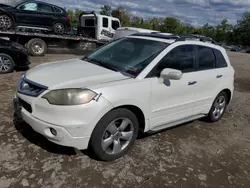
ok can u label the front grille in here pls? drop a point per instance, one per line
(25, 105)
(30, 88)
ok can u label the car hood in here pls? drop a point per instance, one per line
(72, 73)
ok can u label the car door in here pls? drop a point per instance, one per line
(206, 78)
(47, 15)
(104, 32)
(27, 14)
(173, 100)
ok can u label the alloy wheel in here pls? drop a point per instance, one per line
(219, 107)
(117, 136)
(5, 22)
(5, 64)
(59, 28)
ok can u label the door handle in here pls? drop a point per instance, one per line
(218, 76)
(192, 83)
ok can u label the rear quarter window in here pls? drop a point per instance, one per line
(220, 60)
(57, 10)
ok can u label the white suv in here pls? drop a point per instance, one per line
(145, 82)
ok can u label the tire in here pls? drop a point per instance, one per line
(59, 28)
(37, 47)
(220, 104)
(6, 64)
(6, 22)
(106, 130)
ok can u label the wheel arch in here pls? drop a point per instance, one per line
(10, 15)
(138, 113)
(229, 94)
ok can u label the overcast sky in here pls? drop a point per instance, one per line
(195, 12)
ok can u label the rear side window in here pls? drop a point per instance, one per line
(206, 58)
(181, 58)
(220, 60)
(44, 8)
(57, 10)
(105, 22)
(115, 24)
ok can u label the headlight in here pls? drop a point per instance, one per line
(70, 96)
(18, 47)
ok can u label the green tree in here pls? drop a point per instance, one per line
(123, 15)
(74, 17)
(241, 31)
(222, 31)
(106, 10)
(170, 25)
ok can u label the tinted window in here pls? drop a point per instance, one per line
(105, 22)
(57, 10)
(29, 6)
(180, 58)
(115, 24)
(44, 8)
(206, 58)
(220, 60)
(90, 22)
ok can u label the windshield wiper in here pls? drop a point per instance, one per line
(103, 64)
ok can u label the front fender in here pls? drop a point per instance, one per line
(3, 11)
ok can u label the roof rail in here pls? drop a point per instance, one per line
(196, 37)
(176, 37)
(156, 35)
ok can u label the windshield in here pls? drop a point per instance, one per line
(13, 2)
(128, 55)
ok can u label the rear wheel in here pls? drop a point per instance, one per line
(114, 134)
(5, 22)
(218, 108)
(59, 28)
(37, 47)
(6, 64)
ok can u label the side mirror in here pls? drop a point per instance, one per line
(171, 74)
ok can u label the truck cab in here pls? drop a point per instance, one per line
(97, 26)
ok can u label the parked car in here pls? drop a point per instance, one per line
(141, 82)
(12, 55)
(236, 49)
(30, 14)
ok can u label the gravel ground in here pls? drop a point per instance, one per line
(196, 154)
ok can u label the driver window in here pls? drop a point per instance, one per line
(29, 6)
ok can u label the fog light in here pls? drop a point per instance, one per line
(53, 131)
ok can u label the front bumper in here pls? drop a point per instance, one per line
(21, 59)
(73, 125)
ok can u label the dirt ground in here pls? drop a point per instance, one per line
(196, 154)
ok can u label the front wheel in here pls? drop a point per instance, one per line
(218, 108)
(5, 22)
(114, 134)
(6, 64)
